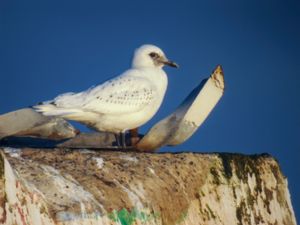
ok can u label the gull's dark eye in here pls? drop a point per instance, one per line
(154, 55)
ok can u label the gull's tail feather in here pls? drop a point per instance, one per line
(52, 110)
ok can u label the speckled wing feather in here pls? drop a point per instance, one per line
(123, 94)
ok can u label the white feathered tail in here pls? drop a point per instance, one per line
(52, 110)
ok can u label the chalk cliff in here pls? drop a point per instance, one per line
(60, 186)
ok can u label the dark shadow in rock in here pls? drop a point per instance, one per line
(32, 142)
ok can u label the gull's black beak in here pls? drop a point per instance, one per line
(171, 63)
(162, 60)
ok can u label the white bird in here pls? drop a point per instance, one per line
(121, 103)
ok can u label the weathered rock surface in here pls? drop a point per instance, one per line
(60, 186)
(180, 125)
(27, 122)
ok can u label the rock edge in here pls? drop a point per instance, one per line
(60, 186)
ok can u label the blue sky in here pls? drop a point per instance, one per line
(51, 47)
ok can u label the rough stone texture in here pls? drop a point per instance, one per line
(60, 186)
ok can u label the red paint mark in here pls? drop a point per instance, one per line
(22, 215)
(3, 219)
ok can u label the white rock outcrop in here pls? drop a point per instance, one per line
(60, 186)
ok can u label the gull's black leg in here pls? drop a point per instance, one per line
(123, 139)
(117, 137)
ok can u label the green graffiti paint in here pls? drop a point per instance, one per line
(128, 217)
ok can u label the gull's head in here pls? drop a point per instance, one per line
(150, 56)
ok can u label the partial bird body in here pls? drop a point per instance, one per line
(122, 103)
(119, 104)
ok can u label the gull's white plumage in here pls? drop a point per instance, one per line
(124, 102)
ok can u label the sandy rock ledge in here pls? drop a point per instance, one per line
(60, 186)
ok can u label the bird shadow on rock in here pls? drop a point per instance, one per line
(99, 141)
(31, 142)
